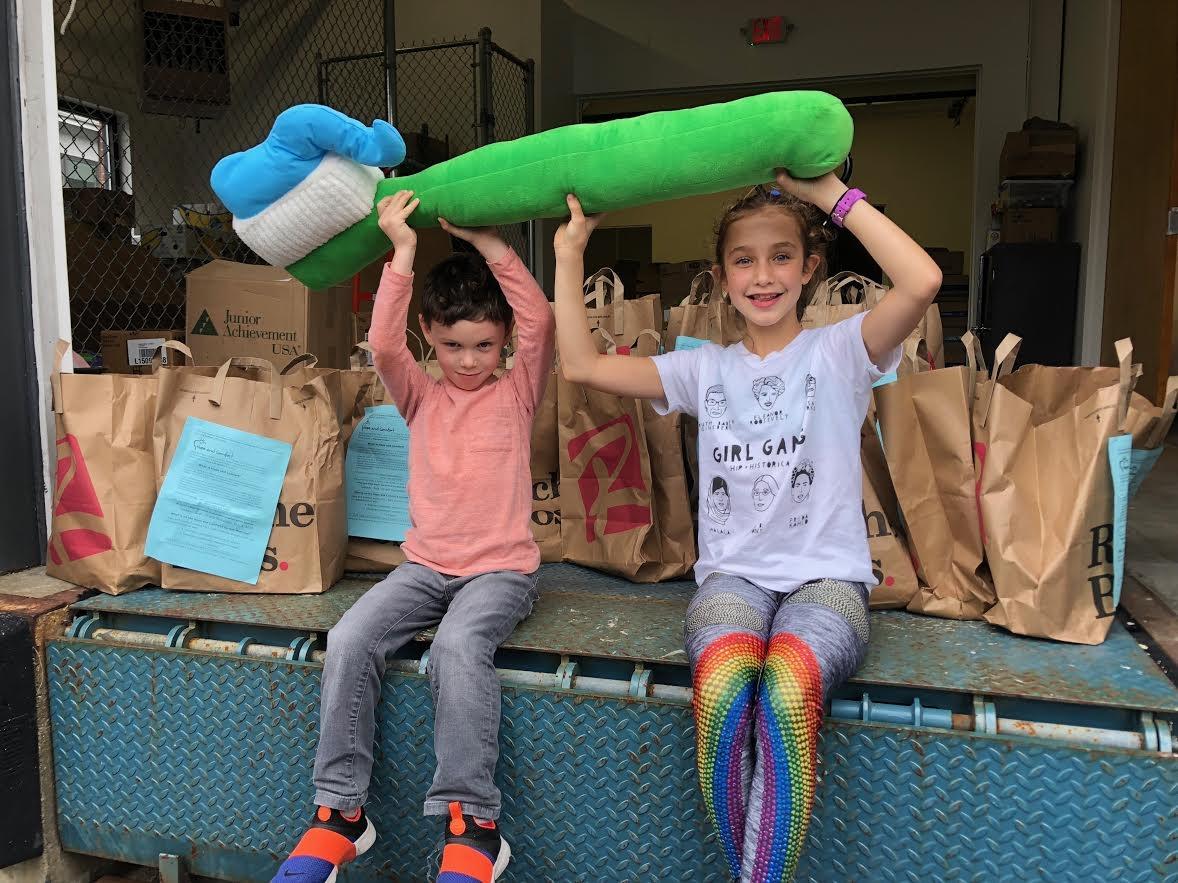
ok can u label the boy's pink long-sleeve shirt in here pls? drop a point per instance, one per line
(470, 485)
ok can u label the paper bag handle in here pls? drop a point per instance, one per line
(362, 346)
(835, 296)
(836, 283)
(912, 354)
(605, 289)
(1166, 418)
(249, 362)
(410, 333)
(60, 350)
(157, 359)
(1004, 357)
(309, 360)
(607, 292)
(974, 357)
(653, 335)
(612, 344)
(699, 295)
(1126, 380)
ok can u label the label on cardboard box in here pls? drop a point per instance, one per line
(139, 352)
(130, 352)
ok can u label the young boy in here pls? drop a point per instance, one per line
(472, 560)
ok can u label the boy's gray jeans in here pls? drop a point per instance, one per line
(474, 615)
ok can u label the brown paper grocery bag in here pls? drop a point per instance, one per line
(608, 482)
(366, 555)
(625, 320)
(705, 314)
(1047, 494)
(545, 469)
(306, 549)
(840, 297)
(890, 559)
(845, 294)
(673, 511)
(373, 556)
(104, 483)
(925, 423)
(350, 389)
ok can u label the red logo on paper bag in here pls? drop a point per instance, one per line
(76, 496)
(615, 465)
(299, 515)
(979, 452)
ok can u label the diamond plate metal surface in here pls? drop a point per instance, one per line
(582, 612)
(210, 757)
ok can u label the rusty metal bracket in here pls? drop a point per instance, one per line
(985, 716)
(172, 869)
(566, 672)
(180, 634)
(301, 649)
(84, 626)
(640, 682)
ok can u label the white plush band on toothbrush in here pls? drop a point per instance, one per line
(338, 194)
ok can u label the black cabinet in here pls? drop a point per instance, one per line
(1031, 289)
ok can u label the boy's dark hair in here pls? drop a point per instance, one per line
(460, 287)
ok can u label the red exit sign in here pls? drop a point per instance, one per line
(773, 29)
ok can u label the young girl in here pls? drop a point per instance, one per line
(780, 616)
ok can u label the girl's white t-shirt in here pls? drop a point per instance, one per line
(780, 480)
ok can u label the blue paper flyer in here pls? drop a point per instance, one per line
(215, 510)
(377, 475)
(1119, 461)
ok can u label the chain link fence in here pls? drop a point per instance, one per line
(450, 98)
(153, 92)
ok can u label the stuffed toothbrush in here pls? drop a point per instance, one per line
(305, 198)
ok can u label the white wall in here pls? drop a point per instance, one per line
(1089, 94)
(44, 210)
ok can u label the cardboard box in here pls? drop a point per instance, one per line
(675, 279)
(952, 263)
(1030, 225)
(250, 310)
(130, 352)
(1039, 150)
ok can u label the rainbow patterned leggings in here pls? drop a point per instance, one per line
(762, 666)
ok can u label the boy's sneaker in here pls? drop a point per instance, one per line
(474, 851)
(334, 838)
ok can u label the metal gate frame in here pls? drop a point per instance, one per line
(485, 55)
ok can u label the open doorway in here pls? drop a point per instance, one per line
(913, 156)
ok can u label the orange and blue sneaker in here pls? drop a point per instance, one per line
(335, 838)
(474, 852)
